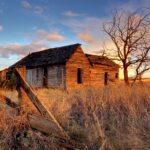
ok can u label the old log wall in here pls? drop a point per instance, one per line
(77, 60)
(98, 74)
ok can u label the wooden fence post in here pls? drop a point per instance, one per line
(20, 95)
(37, 103)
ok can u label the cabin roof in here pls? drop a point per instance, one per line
(58, 55)
(102, 60)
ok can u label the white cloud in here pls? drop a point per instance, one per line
(19, 49)
(26, 4)
(72, 14)
(49, 36)
(41, 40)
(85, 36)
(1, 28)
(55, 37)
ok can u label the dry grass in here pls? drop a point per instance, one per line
(15, 130)
(111, 118)
(118, 116)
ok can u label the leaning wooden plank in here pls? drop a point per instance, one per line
(42, 124)
(46, 126)
(35, 100)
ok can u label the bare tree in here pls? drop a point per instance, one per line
(130, 33)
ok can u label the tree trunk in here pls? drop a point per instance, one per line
(126, 78)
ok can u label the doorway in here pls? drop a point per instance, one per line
(79, 76)
(106, 78)
(45, 77)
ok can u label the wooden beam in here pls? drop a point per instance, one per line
(47, 126)
(37, 103)
(42, 124)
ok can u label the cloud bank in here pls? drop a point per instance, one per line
(19, 49)
(41, 41)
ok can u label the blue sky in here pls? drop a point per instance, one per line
(31, 25)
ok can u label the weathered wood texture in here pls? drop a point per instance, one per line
(57, 76)
(98, 72)
(5, 71)
(22, 70)
(25, 102)
(3, 74)
(44, 125)
(77, 60)
(37, 103)
(48, 127)
(30, 93)
(35, 77)
(65, 67)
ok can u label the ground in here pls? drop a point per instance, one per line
(115, 117)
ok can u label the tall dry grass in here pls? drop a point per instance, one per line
(15, 130)
(116, 117)
(112, 118)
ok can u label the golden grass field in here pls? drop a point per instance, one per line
(112, 118)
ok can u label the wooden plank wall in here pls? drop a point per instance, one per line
(35, 77)
(65, 76)
(77, 60)
(22, 70)
(3, 74)
(97, 75)
(57, 76)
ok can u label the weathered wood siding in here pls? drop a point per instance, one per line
(35, 77)
(3, 74)
(98, 72)
(66, 76)
(22, 70)
(57, 76)
(77, 60)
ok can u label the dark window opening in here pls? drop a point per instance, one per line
(8, 75)
(79, 76)
(45, 77)
(37, 73)
(106, 78)
(116, 75)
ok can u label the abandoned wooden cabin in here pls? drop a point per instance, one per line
(67, 67)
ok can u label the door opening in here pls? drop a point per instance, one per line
(79, 76)
(106, 78)
(45, 77)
